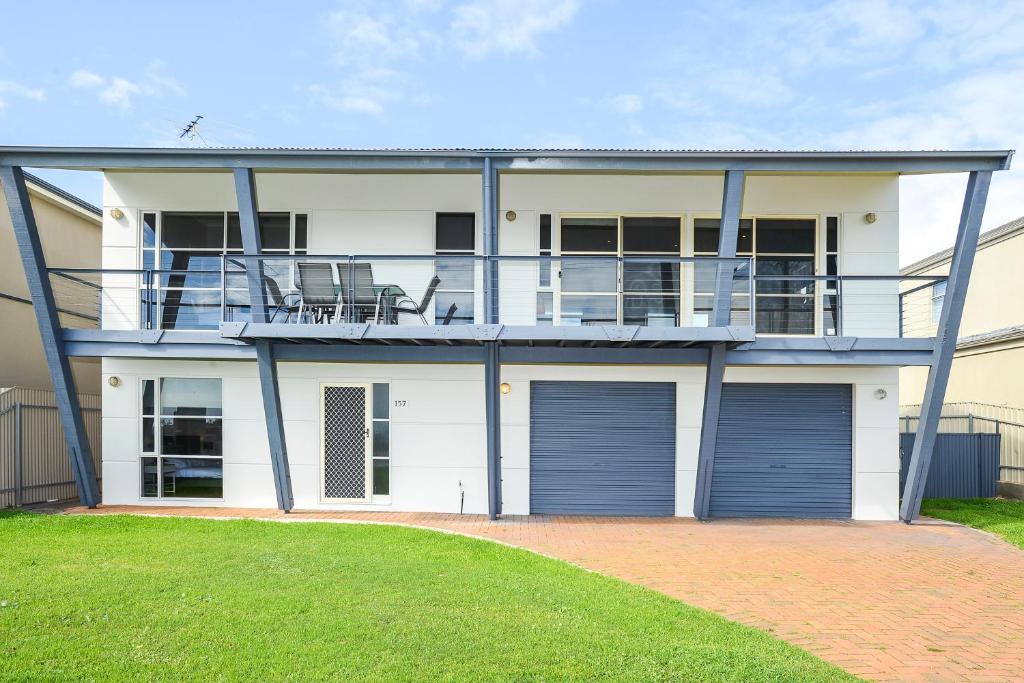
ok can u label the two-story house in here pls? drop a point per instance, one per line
(591, 332)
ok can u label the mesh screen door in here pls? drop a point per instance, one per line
(346, 442)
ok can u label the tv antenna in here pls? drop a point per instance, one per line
(191, 130)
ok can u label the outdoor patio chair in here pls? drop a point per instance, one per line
(280, 303)
(450, 314)
(315, 282)
(407, 305)
(357, 294)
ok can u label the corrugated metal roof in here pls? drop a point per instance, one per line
(993, 236)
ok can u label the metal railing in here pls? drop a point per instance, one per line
(34, 466)
(981, 418)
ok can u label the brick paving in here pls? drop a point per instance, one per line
(886, 601)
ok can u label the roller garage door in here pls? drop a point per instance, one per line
(602, 448)
(784, 450)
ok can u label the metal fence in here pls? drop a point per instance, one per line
(34, 465)
(963, 465)
(981, 418)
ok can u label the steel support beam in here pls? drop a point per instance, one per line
(248, 218)
(492, 405)
(490, 220)
(945, 342)
(65, 392)
(728, 238)
(275, 425)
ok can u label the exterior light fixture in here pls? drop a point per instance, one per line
(114, 381)
(880, 394)
(510, 216)
(506, 388)
(870, 217)
(116, 213)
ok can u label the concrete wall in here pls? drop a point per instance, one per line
(438, 437)
(69, 239)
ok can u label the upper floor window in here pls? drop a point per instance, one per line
(783, 250)
(186, 249)
(455, 235)
(938, 297)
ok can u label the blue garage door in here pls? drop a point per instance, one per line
(784, 450)
(602, 448)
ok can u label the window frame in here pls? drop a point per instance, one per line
(441, 289)
(939, 299)
(157, 452)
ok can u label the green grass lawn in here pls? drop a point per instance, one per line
(115, 598)
(1003, 517)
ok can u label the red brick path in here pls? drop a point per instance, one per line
(930, 602)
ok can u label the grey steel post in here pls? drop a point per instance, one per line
(492, 396)
(65, 393)
(248, 215)
(490, 221)
(728, 237)
(19, 462)
(945, 342)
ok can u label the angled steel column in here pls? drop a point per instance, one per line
(490, 220)
(728, 237)
(492, 397)
(945, 342)
(248, 218)
(65, 392)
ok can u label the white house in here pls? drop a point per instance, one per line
(504, 331)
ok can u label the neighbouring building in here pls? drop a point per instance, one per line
(70, 231)
(592, 332)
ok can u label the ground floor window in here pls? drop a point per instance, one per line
(182, 438)
(381, 471)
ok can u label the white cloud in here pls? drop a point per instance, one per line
(10, 88)
(508, 26)
(361, 36)
(626, 103)
(364, 92)
(119, 91)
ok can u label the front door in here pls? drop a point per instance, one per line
(345, 443)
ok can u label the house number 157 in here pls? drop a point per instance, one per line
(400, 403)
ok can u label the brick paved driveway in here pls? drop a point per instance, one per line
(886, 601)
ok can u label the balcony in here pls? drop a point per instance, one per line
(652, 301)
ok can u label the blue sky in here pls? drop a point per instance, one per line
(828, 75)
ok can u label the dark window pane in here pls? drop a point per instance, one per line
(650, 234)
(381, 439)
(705, 236)
(785, 315)
(234, 232)
(590, 235)
(660, 277)
(193, 230)
(150, 478)
(147, 397)
(149, 230)
(832, 234)
(381, 401)
(463, 307)
(456, 232)
(545, 232)
(184, 436)
(381, 478)
(831, 265)
(830, 317)
(790, 266)
(192, 477)
(653, 311)
(785, 236)
(275, 230)
(590, 275)
(301, 228)
(148, 438)
(181, 396)
(588, 310)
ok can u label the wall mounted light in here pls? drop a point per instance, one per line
(870, 217)
(116, 213)
(880, 394)
(114, 381)
(506, 388)
(510, 216)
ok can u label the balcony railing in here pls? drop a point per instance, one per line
(565, 290)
